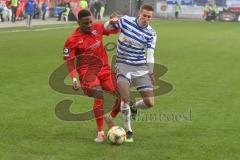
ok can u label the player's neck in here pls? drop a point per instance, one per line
(140, 24)
(83, 32)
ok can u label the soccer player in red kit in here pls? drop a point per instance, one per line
(85, 45)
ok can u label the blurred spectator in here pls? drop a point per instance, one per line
(64, 13)
(138, 6)
(36, 11)
(14, 4)
(212, 13)
(44, 10)
(97, 7)
(9, 10)
(102, 10)
(83, 4)
(205, 10)
(177, 10)
(92, 7)
(2, 8)
(215, 9)
(29, 9)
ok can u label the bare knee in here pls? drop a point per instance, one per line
(125, 99)
(123, 89)
(149, 102)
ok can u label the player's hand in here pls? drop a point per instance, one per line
(114, 15)
(75, 85)
(114, 20)
(152, 77)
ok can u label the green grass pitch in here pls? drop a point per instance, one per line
(203, 66)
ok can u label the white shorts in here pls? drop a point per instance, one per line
(136, 75)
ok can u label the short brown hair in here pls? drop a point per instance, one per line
(147, 7)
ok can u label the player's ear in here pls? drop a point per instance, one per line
(139, 12)
(153, 14)
(79, 21)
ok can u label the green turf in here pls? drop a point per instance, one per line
(202, 61)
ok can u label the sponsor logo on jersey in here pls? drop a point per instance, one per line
(80, 42)
(66, 52)
(95, 45)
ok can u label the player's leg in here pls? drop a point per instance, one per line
(9, 17)
(1, 17)
(110, 86)
(98, 113)
(91, 87)
(109, 118)
(145, 88)
(147, 101)
(123, 89)
(13, 13)
(123, 85)
(60, 16)
(27, 20)
(108, 83)
(97, 93)
(30, 21)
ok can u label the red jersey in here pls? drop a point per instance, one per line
(87, 48)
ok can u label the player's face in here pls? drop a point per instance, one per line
(85, 24)
(144, 17)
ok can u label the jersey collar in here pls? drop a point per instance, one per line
(136, 20)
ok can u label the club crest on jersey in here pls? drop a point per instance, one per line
(65, 52)
(94, 32)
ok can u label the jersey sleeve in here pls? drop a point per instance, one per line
(150, 51)
(69, 54)
(151, 43)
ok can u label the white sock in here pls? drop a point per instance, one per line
(110, 117)
(140, 105)
(125, 109)
(100, 132)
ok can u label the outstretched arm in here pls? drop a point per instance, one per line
(73, 73)
(113, 22)
(69, 57)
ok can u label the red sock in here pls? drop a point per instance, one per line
(116, 108)
(98, 112)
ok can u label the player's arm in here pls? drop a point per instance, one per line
(150, 56)
(114, 22)
(111, 31)
(69, 57)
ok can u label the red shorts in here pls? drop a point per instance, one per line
(92, 78)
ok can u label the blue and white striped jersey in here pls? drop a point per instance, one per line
(134, 41)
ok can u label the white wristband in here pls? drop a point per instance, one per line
(74, 79)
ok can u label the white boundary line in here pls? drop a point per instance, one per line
(36, 30)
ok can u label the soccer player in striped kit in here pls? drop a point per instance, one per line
(135, 61)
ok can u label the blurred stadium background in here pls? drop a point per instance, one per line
(197, 120)
(226, 10)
